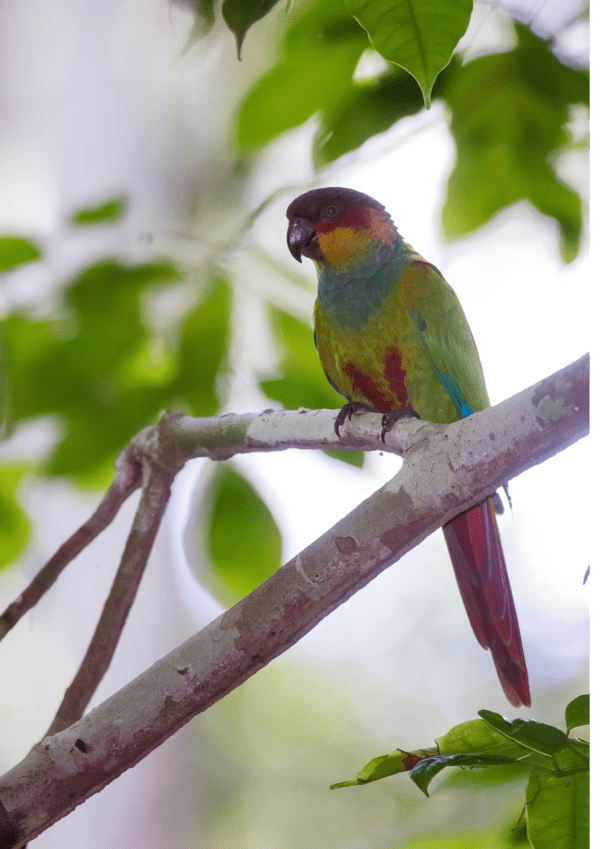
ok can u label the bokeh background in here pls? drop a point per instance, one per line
(182, 294)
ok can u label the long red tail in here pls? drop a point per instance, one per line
(475, 549)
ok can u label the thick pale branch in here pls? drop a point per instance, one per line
(446, 470)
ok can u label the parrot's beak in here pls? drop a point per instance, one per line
(300, 238)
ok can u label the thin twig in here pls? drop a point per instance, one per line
(127, 479)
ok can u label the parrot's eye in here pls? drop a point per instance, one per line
(331, 211)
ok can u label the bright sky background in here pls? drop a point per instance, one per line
(103, 98)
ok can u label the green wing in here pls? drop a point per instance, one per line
(447, 342)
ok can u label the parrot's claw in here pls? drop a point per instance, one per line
(347, 411)
(498, 503)
(389, 419)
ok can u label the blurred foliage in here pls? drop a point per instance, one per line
(322, 48)
(15, 251)
(243, 538)
(557, 793)
(508, 141)
(370, 107)
(106, 213)
(506, 836)
(14, 525)
(103, 371)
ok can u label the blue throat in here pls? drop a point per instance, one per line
(349, 297)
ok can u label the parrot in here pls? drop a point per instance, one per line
(392, 337)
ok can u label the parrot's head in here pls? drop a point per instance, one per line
(338, 228)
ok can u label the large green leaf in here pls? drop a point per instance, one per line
(15, 251)
(535, 736)
(243, 538)
(477, 735)
(321, 51)
(509, 113)
(14, 525)
(558, 805)
(418, 35)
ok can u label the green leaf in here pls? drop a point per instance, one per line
(382, 767)
(14, 525)
(322, 49)
(239, 16)
(105, 213)
(202, 350)
(427, 768)
(577, 712)
(508, 140)
(15, 251)
(371, 107)
(301, 381)
(243, 537)
(557, 806)
(477, 735)
(418, 35)
(545, 739)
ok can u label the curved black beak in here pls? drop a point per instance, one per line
(300, 234)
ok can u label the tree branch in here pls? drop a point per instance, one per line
(155, 497)
(447, 469)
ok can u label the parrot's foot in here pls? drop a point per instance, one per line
(389, 419)
(347, 411)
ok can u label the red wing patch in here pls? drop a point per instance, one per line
(395, 375)
(365, 386)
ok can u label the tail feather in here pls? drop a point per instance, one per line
(475, 549)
